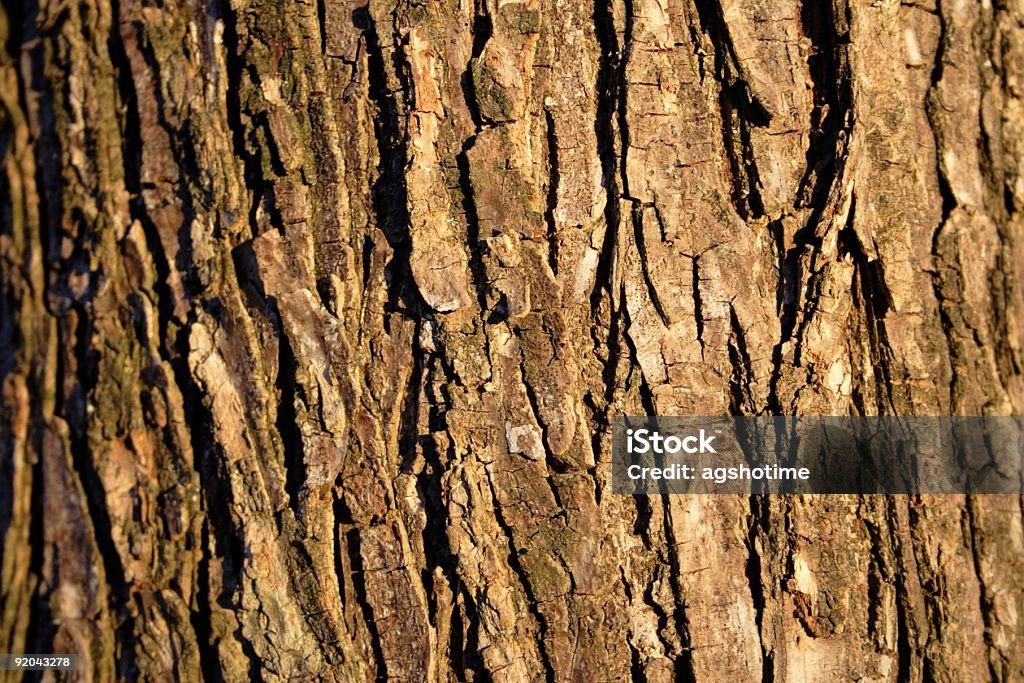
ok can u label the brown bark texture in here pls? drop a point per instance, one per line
(315, 316)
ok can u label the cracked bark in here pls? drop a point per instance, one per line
(315, 317)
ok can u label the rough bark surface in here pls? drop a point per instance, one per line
(315, 315)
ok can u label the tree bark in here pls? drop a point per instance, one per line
(315, 317)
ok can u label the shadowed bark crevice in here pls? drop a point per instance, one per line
(532, 604)
(352, 546)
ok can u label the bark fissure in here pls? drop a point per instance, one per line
(532, 604)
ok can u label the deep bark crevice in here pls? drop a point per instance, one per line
(389, 192)
(532, 604)
(552, 194)
(356, 571)
(609, 77)
(739, 109)
(760, 512)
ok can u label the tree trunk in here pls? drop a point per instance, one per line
(315, 317)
